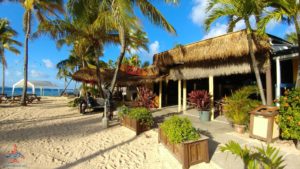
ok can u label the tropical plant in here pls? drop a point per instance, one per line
(286, 11)
(200, 99)
(119, 14)
(239, 104)
(267, 158)
(289, 114)
(7, 43)
(235, 11)
(179, 130)
(146, 98)
(41, 9)
(76, 102)
(291, 37)
(143, 115)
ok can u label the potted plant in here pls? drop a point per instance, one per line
(201, 100)
(238, 105)
(184, 141)
(138, 119)
(289, 116)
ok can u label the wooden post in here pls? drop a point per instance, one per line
(269, 83)
(160, 95)
(211, 92)
(278, 79)
(166, 92)
(179, 95)
(184, 96)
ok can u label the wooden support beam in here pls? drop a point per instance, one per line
(211, 91)
(179, 96)
(278, 79)
(184, 96)
(160, 95)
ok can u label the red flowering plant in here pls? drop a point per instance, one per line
(146, 98)
(200, 99)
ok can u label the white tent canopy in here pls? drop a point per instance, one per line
(33, 85)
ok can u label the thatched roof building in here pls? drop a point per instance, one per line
(123, 78)
(223, 55)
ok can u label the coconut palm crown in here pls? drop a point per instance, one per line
(235, 11)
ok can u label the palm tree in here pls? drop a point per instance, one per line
(236, 11)
(287, 11)
(6, 43)
(120, 15)
(40, 9)
(291, 37)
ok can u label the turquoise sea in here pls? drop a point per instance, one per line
(46, 92)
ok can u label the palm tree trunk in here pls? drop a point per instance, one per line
(3, 78)
(254, 62)
(23, 99)
(120, 59)
(98, 75)
(298, 38)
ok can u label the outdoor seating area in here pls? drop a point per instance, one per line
(30, 98)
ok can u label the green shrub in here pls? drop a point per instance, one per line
(139, 113)
(179, 130)
(289, 114)
(122, 111)
(238, 105)
(75, 102)
(267, 158)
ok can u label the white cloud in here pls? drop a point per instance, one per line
(219, 29)
(48, 63)
(38, 74)
(199, 14)
(153, 48)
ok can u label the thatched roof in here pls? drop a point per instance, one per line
(106, 75)
(231, 45)
(210, 68)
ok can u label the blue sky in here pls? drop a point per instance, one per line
(187, 18)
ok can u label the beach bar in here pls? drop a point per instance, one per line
(216, 61)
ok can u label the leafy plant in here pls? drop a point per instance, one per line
(139, 113)
(239, 104)
(267, 158)
(200, 99)
(289, 114)
(76, 102)
(122, 111)
(146, 98)
(179, 130)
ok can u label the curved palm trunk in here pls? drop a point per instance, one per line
(3, 78)
(23, 99)
(120, 59)
(298, 38)
(98, 75)
(254, 63)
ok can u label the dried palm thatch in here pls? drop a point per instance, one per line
(213, 68)
(232, 45)
(123, 79)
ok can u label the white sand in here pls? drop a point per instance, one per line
(51, 135)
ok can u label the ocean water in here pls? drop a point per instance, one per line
(46, 92)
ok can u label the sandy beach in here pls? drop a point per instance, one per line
(50, 134)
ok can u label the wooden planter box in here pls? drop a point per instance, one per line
(134, 125)
(187, 153)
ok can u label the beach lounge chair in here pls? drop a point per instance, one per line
(33, 97)
(3, 98)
